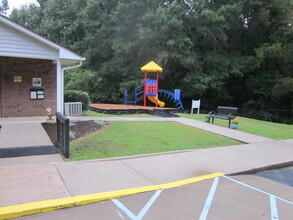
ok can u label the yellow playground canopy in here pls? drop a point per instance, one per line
(152, 67)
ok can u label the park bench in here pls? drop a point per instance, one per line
(224, 112)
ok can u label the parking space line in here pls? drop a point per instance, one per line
(259, 190)
(124, 208)
(144, 209)
(274, 208)
(148, 205)
(209, 200)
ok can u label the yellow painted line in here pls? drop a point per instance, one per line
(188, 181)
(35, 207)
(86, 199)
(51, 205)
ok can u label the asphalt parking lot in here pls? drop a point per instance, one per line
(284, 175)
(227, 197)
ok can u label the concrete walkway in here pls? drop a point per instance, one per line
(23, 132)
(58, 180)
(37, 182)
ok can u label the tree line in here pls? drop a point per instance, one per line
(225, 52)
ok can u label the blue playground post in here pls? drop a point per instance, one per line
(125, 97)
(177, 94)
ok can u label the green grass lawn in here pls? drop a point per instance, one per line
(96, 114)
(252, 126)
(133, 138)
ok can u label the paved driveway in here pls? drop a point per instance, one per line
(238, 197)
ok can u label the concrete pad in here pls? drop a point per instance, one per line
(95, 177)
(23, 134)
(267, 185)
(103, 210)
(284, 210)
(184, 202)
(233, 201)
(289, 141)
(33, 183)
(282, 146)
(227, 132)
(252, 155)
(30, 160)
(213, 163)
(136, 203)
(165, 168)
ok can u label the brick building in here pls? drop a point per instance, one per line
(31, 72)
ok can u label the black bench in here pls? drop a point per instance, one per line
(224, 112)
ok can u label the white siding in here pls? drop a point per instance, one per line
(16, 44)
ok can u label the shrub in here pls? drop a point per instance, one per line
(77, 96)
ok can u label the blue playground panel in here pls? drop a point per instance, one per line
(151, 87)
(177, 94)
(175, 97)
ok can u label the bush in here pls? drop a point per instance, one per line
(77, 96)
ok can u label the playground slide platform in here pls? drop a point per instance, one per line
(117, 109)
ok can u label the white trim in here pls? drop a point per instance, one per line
(71, 67)
(63, 53)
(28, 56)
(59, 85)
(61, 90)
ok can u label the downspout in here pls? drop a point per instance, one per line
(62, 82)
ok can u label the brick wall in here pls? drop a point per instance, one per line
(15, 96)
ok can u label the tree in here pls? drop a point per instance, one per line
(4, 7)
(29, 16)
(226, 52)
(268, 38)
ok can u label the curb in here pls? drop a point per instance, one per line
(263, 169)
(51, 205)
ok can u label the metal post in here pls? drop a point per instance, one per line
(63, 133)
(157, 89)
(144, 95)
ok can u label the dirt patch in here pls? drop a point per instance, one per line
(76, 129)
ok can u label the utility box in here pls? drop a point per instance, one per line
(73, 108)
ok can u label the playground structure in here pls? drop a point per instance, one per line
(151, 90)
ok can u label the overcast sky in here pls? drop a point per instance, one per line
(17, 3)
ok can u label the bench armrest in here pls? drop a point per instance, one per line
(212, 113)
(232, 116)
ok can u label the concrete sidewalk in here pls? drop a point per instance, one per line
(38, 182)
(22, 132)
(59, 180)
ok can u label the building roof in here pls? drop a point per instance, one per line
(152, 67)
(18, 41)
